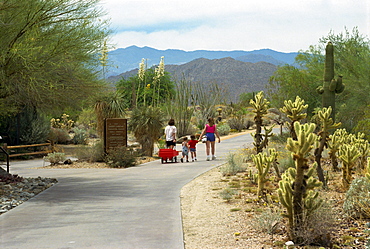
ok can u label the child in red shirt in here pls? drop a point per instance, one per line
(192, 146)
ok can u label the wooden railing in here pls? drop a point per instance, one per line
(9, 149)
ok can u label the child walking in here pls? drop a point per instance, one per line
(192, 147)
(185, 150)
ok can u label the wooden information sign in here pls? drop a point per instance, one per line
(115, 133)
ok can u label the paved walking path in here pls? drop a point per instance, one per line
(132, 208)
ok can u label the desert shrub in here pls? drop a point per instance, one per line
(80, 136)
(90, 154)
(55, 157)
(234, 164)
(280, 138)
(59, 136)
(357, 199)
(268, 221)
(286, 162)
(228, 193)
(317, 226)
(121, 157)
(236, 123)
(223, 129)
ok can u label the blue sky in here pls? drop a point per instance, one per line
(282, 25)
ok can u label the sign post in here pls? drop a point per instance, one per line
(115, 133)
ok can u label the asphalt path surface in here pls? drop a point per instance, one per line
(132, 208)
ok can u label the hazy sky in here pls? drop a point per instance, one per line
(282, 25)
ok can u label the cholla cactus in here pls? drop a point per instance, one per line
(348, 154)
(63, 123)
(300, 149)
(334, 142)
(310, 197)
(363, 147)
(326, 124)
(263, 163)
(368, 169)
(295, 112)
(260, 107)
(330, 86)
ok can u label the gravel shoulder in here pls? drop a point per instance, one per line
(209, 222)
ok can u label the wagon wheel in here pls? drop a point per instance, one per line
(175, 159)
(162, 161)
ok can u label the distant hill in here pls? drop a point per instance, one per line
(235, 75)
(126, 59)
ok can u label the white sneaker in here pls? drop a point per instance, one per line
(213, 157)
(208, 158)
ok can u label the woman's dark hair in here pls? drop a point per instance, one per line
(171, 122)
(211, 121)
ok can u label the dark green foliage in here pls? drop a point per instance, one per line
(136, 92)
(27, 127)
(146, 124)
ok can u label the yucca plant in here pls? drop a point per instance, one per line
(146, 124)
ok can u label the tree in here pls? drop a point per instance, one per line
(288, 82)
(48, 53)
(179, 108)
(352, 57)
(146, 123)
(139, 91)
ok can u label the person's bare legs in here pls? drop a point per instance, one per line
(208, 149)
(213, 150)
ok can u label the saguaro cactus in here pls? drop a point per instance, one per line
(330, 85)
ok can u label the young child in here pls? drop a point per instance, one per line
(185, 150)
(192, 147)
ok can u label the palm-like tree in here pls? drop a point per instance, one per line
(110, 106)
(146, 123)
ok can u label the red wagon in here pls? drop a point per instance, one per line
(168, 154)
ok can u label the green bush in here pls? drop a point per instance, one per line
(90, 154)
(55, 158)
(121, 157)
(357, 199)
(223, 129)
(80, 136)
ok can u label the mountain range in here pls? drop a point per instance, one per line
(125, 59)
(236, 71)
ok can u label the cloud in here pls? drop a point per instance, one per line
(284, 25)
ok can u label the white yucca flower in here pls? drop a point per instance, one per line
(142, 69)
(159, 71)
